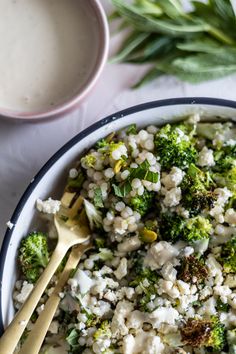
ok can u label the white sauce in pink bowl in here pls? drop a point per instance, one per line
(50, 54)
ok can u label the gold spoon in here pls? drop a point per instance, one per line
(36, 336)
(67, 237)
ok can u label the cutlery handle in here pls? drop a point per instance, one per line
(14, 331)
(36, 337)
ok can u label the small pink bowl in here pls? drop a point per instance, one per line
(97, 14)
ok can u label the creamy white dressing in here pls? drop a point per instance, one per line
(48, 50)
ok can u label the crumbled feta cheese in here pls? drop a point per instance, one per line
(172, 197)
(10, 225)
(127, 292)
(173, 179)
(217, 213)
(188, 251)
(83, 281)
(205, 292)
(167, 287)
(136, 319)
(194, 118)
(121, 271)
(223, 195)
(163, 315)
(110, 296)
(169, 272)
(206, 157)
(122, 311)
(160, 253)
(228, 318)
(230, 216)
(24, 293)
(230, 280)
(184, 287)
(49, 206)
(102, 308)
(53, 328)
(208, 307)
(129, 245)
(223, 291)
(143, 342)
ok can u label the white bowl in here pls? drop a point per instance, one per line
(54, 172)
(63, 47)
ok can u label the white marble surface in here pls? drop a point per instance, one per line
(24, 148)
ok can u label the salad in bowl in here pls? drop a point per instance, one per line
(161, 276)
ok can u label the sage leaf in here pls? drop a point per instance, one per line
(132, 42)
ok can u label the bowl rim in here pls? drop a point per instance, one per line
(73, 101)
(84, 133)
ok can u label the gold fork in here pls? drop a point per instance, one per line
(36, 336)
(67, 237)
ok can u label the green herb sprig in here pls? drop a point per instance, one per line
(196, 46)
(141, 172)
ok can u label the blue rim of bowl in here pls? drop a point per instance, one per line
(75, 140)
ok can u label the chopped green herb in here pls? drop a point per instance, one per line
(98, 201)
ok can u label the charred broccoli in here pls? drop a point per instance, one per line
(228, 256)
(33, 255)
(204, 333)
(197, 193)
(173, 228)
(192, 267)
(174, 147)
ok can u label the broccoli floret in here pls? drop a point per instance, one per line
(228, 256)
(145, 274)
(197, 191)
(204, 333)
(107, 148)
(105, 254)
(221, 306)
(88, 160)
(197, 228)
(173, 228)
(146, 279)
(225, 158)
(33, 255)
(193, 267)
(174, 147)
(94, 215)
(99, 242)
(218, 334)
(104, 331)
(142, 203)
(231, 340)
(227, 178)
